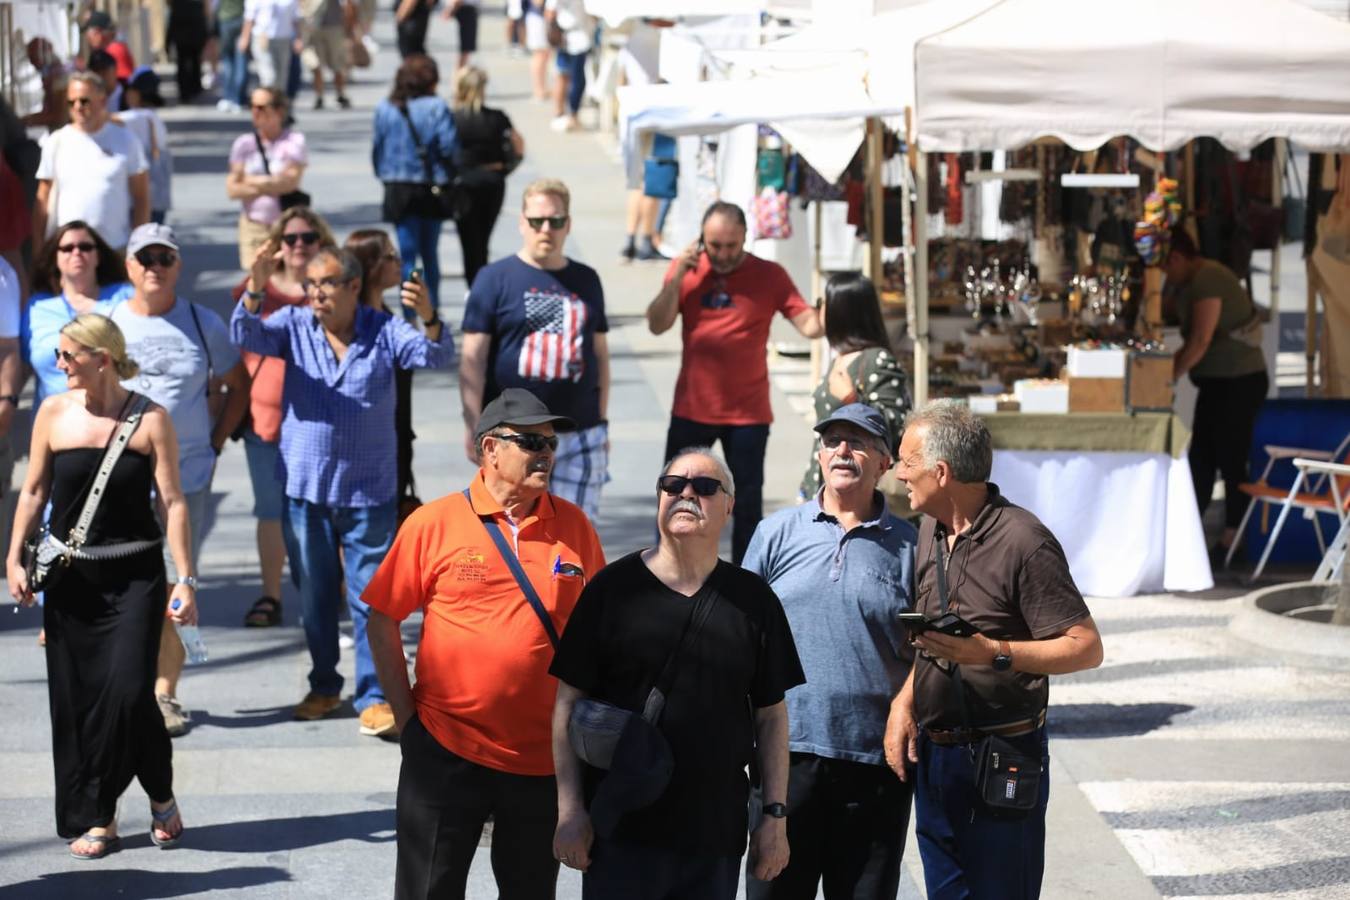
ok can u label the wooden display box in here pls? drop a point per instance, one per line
(1148, 382)
(1096, 395)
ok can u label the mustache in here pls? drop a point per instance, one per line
(850, 464)
(686, 504)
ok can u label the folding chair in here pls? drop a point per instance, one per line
(1321, 487)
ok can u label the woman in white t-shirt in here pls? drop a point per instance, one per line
(265, 165)
(272, 31)
(578, 30)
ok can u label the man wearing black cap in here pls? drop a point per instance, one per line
(496, 570)
(843, 567)
(101, 34)
(713, 639)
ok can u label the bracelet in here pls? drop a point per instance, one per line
(12, 398)
(187, 581)
(434, 320)
(253, 295)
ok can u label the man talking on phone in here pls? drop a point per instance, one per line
(969, 724)
(727, 299)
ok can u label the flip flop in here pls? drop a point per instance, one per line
(264, 613)
(161, 819)
(106, 844)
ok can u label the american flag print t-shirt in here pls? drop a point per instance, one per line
(552, 350)
(542, 325)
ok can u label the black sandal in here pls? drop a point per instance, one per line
(264, 613)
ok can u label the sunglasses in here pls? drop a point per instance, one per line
(529, 441)
(79, 101)
(831, 440)
(308, 237)
(263, 108)
(554, 222)
(674, 485)
(165, 259)
(82, 246)
(67, 355)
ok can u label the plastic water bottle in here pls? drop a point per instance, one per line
(191, 636)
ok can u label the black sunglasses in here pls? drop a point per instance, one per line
(67, 355)
(82, 246)
(832, 439)
(163, 258)
(703, 486)
(309, 237)
(554, 222)
(529, 441)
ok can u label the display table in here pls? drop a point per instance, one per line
(1115, 489)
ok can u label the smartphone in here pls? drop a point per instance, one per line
(415, 276)
(948, 623)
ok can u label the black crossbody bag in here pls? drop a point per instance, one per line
(290, 198)
(1007, 780)
(436, 200)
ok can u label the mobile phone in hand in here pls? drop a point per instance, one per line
(948, 623)
(415, 276)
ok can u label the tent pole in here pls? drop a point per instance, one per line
(817, 292)
(876, 213)
(1277, 200)
(907, 228)
(920, 301)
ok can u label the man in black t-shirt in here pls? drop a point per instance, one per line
(724, 709)
(997, 567)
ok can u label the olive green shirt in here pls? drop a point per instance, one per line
(1226, 356)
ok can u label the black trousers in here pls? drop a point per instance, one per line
(443, 801)
(623, 871)
(412, 32)
(744, 447)
(1221, 438)
(846, 827)
(475, 228)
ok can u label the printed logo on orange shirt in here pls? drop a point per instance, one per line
(472, 567)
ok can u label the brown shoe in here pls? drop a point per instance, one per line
(377, 720)
(316, 706)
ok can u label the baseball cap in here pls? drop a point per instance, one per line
(98, 19)
(513, 406)
(860, 414)
(151, 234)
(145, 80)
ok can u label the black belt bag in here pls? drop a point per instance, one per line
(1005, 776)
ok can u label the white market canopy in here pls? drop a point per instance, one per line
(1161, 71)
(616, 12)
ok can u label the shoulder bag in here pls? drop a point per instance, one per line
(1007, 780)
(437, 200)
(45, 554)
(290, 198)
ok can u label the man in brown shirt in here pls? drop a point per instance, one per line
(1006, 575)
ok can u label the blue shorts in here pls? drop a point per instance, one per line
(269, 500)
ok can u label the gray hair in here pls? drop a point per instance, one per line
(89, 80)
(956, 436)
(723, 470)
(351, 266)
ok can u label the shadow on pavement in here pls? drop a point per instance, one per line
(371, 826)
(100, 882)
(1102, 720)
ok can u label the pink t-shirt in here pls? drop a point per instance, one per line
(288, 149)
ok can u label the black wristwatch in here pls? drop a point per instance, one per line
(1003, 658)
(432, 321)
(12, 398)
(777, 810)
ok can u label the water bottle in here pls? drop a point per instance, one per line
(191, 636)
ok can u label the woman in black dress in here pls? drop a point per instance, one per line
(489, 149)
(103, 618)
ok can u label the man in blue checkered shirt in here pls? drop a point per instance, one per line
(338, 449)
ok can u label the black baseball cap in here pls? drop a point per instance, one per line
(99, 19)
(516, 406)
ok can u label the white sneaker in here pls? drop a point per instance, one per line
(208, 80)
(563, 123)
(227, 106)
(345, 641)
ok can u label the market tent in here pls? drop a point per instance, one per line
(1159, 71)
(615, 12)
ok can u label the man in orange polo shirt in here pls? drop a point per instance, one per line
(476, 729)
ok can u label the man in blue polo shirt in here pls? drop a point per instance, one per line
(843, 567)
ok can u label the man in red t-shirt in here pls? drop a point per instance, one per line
(101, 34)
(726, 299)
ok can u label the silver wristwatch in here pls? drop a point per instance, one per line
(188, 580)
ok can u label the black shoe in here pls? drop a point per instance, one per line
(318, 103)
(647, 252)
(344, 102)
(629, 251)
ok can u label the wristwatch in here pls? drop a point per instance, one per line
(12, 398)
(188, 580)
(432, 321)
(1003, 658)
(777, 810)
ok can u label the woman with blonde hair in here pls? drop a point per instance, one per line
(489, 150)
(276, 276)
(105, 607)
(266, 167)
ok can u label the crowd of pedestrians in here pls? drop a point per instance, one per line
(603, 715)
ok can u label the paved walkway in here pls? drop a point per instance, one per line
(1189, 765)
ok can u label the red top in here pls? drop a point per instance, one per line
(267, 374)
(122, 54)
(725, 319)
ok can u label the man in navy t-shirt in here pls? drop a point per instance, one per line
(536, 320)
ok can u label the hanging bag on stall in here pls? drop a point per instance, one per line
(661, 171)
(770, 169)
(770, 212)
(1334, 230)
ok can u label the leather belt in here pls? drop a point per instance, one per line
(955, 736)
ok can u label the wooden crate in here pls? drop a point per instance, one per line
(1096, 395)
(1148, 379)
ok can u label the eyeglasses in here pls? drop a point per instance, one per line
(82, 246)
(79, 101)
(165, 259)
(327, 285)
(261, 108)
(67, 355)
(309, 237)
(554, 222)
(529, 441)
(831, 440)
(674, 485)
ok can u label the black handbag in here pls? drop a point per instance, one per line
(290, 198)
(435, 200)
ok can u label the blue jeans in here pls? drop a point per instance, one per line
(417, 241)
(968, 851)
(573, 65)
(743, 446)
(234, 79)
(313, 535)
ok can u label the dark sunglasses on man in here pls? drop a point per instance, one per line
(554, 222)
(529, 441)
(674, 485)
(309, 237)
(149, 257)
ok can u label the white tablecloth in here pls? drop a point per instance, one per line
(1128, 522)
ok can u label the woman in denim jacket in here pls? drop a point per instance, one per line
(399, 164)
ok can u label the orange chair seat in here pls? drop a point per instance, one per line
(1305, 500)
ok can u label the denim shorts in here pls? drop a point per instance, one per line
(196, 503)
(269, 499)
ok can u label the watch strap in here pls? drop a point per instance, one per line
(776, 810)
